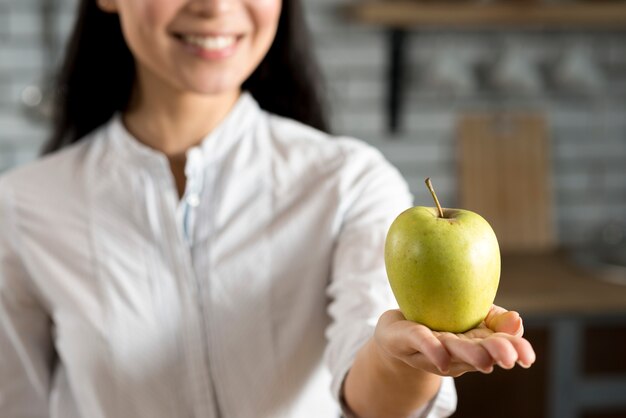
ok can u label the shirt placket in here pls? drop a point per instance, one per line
(194, 173)
(196, 338)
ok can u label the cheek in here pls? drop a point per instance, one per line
(157, 13)
(131, 14)
(265, 14)
(144, 23)
(144, 20)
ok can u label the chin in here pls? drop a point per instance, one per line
(213, 85)
(215, 90)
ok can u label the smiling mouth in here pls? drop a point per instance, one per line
(209, 42)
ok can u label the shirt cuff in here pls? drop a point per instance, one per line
(346, 412)
(447, 385)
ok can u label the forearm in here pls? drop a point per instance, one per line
(377, 386)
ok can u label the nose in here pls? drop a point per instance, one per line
(210, 7)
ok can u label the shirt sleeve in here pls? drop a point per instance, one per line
(26, 352)
(375, 193)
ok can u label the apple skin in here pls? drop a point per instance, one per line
(444, 272)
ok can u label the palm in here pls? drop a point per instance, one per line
(496, 341)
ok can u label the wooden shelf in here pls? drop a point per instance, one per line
(402, 16)
(418, 14)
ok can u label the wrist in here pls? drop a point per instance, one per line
(402, 389)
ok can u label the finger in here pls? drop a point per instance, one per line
(456, 369)
(391, 316)
(390, 330)
(525, 352)
(480, 333)
(469, 352)
(421, 339)
(402, 339)
(501, 350)
(494, 311)
(460, 368)
(420, 361)
(500, 320)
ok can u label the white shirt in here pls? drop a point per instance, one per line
(249, 297)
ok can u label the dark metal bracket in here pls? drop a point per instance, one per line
(397, 39)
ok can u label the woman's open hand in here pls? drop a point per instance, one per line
(496, 341)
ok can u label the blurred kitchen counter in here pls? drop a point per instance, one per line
(552, 284)
(577, 325)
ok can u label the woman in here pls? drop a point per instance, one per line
(190, 247)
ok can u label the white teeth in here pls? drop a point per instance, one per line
(210, 42)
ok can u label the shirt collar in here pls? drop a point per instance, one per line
(212, 147)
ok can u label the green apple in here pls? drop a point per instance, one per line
(443, 266)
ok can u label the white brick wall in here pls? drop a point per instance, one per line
(588, 133)
(23, 62)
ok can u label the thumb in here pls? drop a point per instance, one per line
(501, 320)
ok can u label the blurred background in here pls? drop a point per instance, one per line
(515, 109)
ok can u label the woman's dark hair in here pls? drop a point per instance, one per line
(97, 75)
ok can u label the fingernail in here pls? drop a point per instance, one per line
(488, 370)
(524, 365)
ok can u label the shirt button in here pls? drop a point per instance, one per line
(193, 200)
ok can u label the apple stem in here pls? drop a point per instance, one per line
(432, 192)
